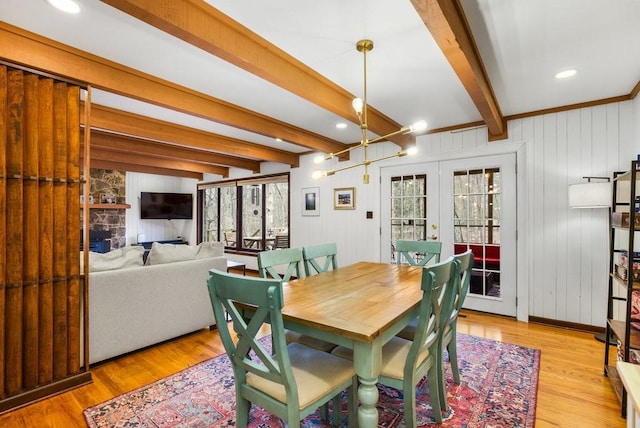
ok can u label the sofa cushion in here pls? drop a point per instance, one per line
(121, 258)
(170, 253)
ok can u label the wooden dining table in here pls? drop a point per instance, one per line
(360, 306)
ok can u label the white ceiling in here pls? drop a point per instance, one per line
(523, 43)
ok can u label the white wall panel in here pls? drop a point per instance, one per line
(357, 237)
(562, 277)
(571, 307)
(157, 230)
(569, 277)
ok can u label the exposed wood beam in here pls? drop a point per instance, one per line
(446, 21)
(158, 162)
(104, 164)
(147, 153)
(136, 125)
(198, 23)
(126, 144)
(24, 47)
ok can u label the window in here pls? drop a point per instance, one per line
(246, 215)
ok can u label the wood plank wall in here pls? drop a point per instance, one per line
(567, 255)
(40, 289)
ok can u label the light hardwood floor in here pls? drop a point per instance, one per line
(572, 390)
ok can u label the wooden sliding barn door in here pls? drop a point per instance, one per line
(40, 289)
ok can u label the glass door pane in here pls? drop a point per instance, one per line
(408, 203)
(477, 199)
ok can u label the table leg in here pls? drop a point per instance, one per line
(367, 361)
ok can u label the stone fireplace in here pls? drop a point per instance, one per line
(108, 186)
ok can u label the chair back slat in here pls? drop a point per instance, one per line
(466, 265)
(314, 254)
(418, 253)
(449, 330)
(269, 261)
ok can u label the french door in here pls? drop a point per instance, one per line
(465, 204)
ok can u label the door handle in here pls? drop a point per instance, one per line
(434, 236)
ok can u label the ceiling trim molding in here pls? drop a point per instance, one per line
(635, 91)
(460, 127)
(200, 24)
(586, 104)
(32, 50)
(448, 25)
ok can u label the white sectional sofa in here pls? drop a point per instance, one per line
(135, 306)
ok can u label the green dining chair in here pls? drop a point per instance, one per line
(269, 261)
(313, 264)
(449, 331)
(406, 362)
(319, 258)
(290, 381)
(418, 253)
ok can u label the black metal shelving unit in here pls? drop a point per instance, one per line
(622, 239)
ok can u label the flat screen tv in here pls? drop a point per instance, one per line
(166, 206)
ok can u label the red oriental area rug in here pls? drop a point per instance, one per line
(499, 384)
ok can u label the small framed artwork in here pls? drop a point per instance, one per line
(344, 198)
(108, 198)
(311, 201)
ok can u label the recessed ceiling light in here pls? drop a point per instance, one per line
(279, 140)
(566, 73)
(341, 125)
(68, 6)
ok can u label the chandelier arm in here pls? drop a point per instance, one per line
(398, 154)
(366, 162)
(341, 152)
(355, 165)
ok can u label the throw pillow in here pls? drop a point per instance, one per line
(121, 258)
(209, 249)
(170, 253)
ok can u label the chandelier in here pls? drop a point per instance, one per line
(360, 107)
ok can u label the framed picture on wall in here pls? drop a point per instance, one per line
(311, 201)
(344, 198)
